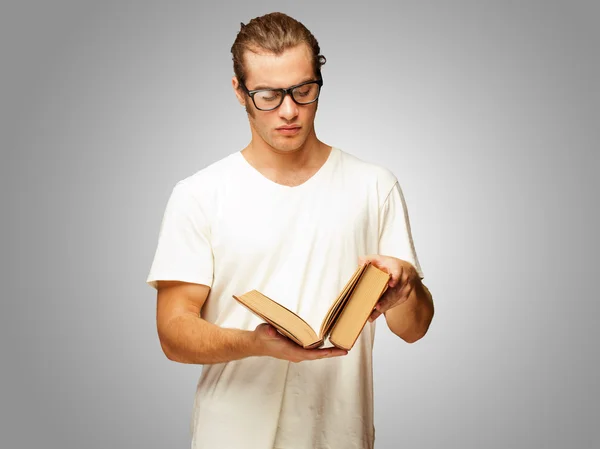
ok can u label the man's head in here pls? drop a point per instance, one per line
(276, 51)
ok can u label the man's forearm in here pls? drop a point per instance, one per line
(410, 320)
(190, 339)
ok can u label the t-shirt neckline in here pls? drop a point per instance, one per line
(314, 178)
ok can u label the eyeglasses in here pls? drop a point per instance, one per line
(269, 99)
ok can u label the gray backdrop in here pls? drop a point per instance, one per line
(486, 111)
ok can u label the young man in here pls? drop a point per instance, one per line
(292, 217)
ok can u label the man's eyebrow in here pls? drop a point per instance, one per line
(265, 86)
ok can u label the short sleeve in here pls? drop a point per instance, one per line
(395, 237)
(183, 252)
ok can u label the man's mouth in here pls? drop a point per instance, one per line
(288, 129)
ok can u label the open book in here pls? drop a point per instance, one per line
(344, 320)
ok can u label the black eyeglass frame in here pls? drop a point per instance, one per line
(284, 92)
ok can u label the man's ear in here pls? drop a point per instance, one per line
(238, 91)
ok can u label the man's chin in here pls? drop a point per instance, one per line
(287, 146)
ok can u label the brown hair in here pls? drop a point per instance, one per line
(275, 33)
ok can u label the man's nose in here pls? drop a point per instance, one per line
(288, 109)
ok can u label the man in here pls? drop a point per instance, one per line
(292, 217)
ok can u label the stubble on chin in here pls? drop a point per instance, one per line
(280, 144)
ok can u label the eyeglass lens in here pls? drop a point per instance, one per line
(268, 99)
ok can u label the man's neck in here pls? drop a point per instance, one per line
(308, 157)
(287, 168)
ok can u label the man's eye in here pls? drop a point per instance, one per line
(305, 91)
(270, 96)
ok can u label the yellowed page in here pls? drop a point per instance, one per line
(372, 285)
(339, 303)
(283, 319)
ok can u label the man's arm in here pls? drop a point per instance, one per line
(187, 338)
(410, 320)
(407, 305)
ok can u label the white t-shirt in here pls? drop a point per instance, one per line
(231, 228)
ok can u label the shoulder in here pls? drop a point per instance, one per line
(368, 172)
(204, 184)
(212, 174)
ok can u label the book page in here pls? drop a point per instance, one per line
(278, 327)
(339, 303)
(283, 319)
(373, 284)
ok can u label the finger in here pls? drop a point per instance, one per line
(382, 307)
(336, 352)
(386, 301)
(267, 329)
(373, 258)
(394, 272)
(321, 353)
(404, 279)
(396, 277)
(402, 297)
(406, 291)
(329, 352)
(374, 315)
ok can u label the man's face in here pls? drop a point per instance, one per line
(264, 70)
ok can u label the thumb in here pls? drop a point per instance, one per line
(267, 329)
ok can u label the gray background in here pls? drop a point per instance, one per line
(486, 111)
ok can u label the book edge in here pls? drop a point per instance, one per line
(278, 326)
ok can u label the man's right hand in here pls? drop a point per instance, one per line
(271, 343)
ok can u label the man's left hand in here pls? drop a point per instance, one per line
(404, 278)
